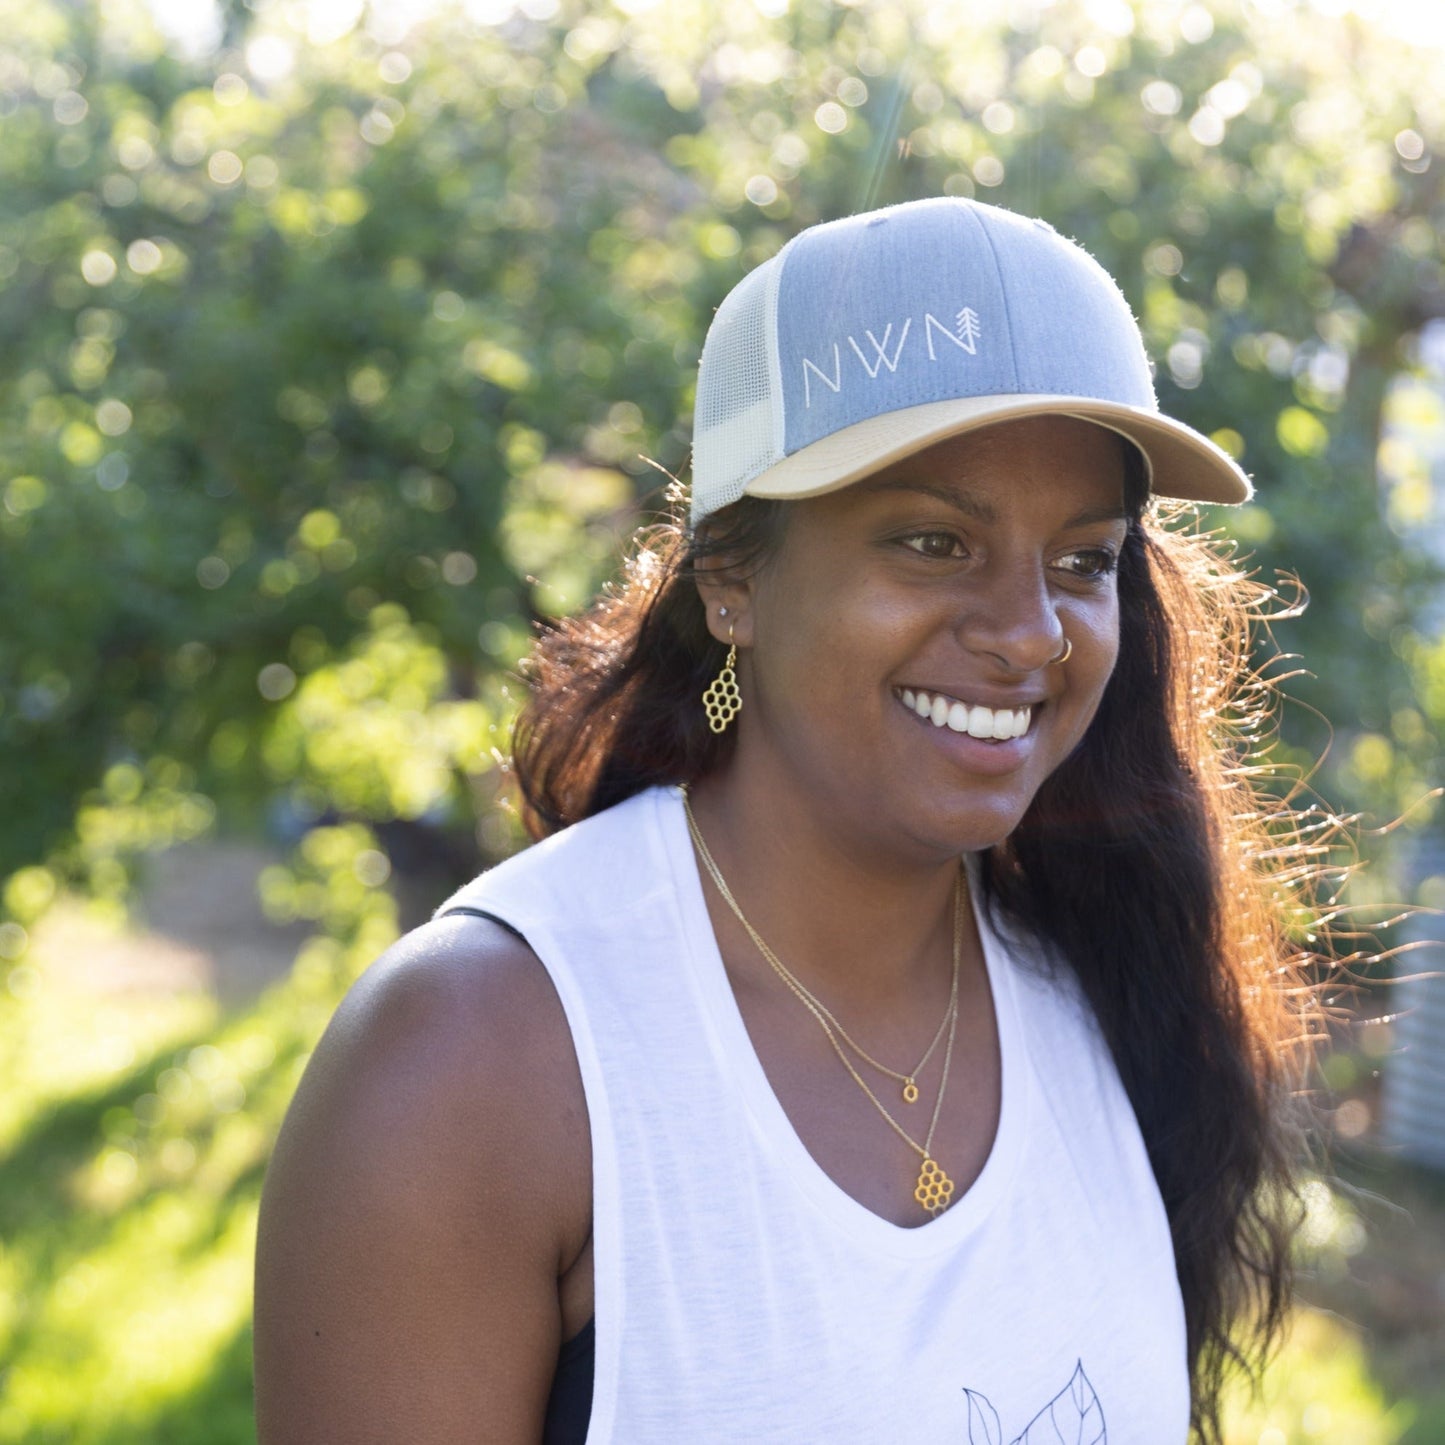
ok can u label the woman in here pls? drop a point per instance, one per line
(835, 1137)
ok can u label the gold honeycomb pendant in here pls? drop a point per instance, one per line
(935, 1188)
(723, 700)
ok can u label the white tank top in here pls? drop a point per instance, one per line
(741, 1295)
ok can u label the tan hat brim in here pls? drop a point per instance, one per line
(1182, 462)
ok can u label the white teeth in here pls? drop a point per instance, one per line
(997, 724)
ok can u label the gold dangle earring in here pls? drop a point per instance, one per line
(722, 701)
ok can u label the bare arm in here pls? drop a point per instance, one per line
(431, 1185)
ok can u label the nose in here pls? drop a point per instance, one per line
(1011, 615)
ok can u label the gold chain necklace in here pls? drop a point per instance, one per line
(934, 1189)
(908, 1080)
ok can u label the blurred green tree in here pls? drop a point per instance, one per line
(296, 330)
(329, 358)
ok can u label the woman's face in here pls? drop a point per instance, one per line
(905, 615)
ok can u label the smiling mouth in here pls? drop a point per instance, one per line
(989, 724)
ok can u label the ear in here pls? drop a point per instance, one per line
(727, 601)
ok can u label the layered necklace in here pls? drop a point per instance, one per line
(934, 1189)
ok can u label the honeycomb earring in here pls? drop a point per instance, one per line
(722, 702)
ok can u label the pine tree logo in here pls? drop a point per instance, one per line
(968, 329)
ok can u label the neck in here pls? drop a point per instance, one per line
(865, 930)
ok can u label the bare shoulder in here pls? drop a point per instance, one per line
(458, 1003)
(431, 1185)
(451, 1048)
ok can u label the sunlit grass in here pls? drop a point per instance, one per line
(135, 1129)
(134, 1323)
(1319, 1389)
(135, 1126)
(61, 1041)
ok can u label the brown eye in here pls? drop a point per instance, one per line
(935, 544)
(1092, 563)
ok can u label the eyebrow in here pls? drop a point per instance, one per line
(982, 512)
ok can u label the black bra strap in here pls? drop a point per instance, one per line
(482, 913)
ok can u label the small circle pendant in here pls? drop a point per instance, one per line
(910, 1092)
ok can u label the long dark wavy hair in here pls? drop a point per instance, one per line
(1155, 860)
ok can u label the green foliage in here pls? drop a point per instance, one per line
(393, 320)
(330, 364)
(134, 1131)
(1320, 1389)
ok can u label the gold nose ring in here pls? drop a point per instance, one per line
(1064, 656)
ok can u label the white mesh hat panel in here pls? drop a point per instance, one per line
(738, 418)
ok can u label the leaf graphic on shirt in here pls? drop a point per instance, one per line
(983, 1426)
(1073, 1417)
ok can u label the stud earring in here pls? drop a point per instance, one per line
(1064, 656)
(722, 702)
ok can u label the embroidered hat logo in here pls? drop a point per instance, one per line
(869, 338)
(964, 336)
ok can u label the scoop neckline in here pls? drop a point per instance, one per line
(735, 1052)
